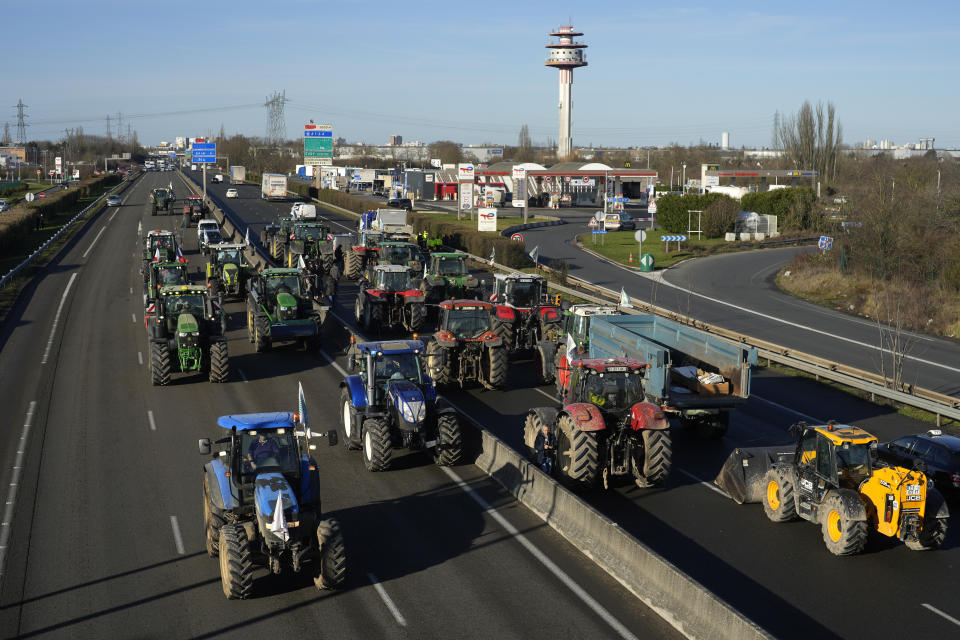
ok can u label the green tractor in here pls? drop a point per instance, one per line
(310, 241)
(157, 276)
(402, 253)
(274, 238)
(185, 334)
(160, 199)
(159, 245)
(448, 278)
(278, 309)
(227, 274)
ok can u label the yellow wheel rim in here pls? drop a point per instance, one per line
(773, 495)
(833, 525)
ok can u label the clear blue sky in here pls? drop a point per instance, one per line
(473, 72)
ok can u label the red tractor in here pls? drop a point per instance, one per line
(389, 300)
(365, 251)
(605, 428)
(465, 347)
(523, 315)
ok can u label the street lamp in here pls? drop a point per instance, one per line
(684, 186)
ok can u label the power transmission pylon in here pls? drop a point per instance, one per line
(21, 123)
(276, 120)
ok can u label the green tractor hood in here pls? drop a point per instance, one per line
(230, 272)
(284, 299)
(186, 323)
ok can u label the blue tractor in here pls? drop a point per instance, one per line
(392, 403)
(261, 503)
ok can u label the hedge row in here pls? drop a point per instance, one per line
(672, 210)
(13, 189)
(791, 206)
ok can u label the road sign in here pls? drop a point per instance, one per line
(466, 196)
(652, 207)
(598, 231)
(619, 200)
(204, 152)
(317, 144)
(29, 197)
(646, 262)
(673, 238)
(640, 235)
(599, 215)
(593, 223)
(826, 242)
(487, 219)
(517, 237)
(519, 187)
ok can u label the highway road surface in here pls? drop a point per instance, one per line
(102, 530)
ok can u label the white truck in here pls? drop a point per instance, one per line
(273, 186)
(392, 221)
(237, 174)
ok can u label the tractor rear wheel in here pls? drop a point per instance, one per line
(333, 555)
(348, 429)
(159, 364)
(778, 501)
(262, 334)
(543, 361)
(531, 427)
(657, 458)
(449, 447)
(236, 562)
(418, 316)
(438, 367)
(212, 521)
(577, 453)
(497, 357)
(219, 362)
(377, 447)
(842, 535)
(353, 264)
(504, 329)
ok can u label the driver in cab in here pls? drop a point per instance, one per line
(595, 391)
(261, 449)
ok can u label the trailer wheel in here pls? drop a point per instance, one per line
(236, 563)
(654, 469)
(449, 449)
(377, 447)
(577, 453)
(842, 535)
(498, 366)
(778, 501)
(333, 555)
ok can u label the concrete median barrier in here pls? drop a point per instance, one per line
(675, 596)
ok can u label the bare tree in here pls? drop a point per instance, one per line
(524, 151)
(811, 138)
(6, 134)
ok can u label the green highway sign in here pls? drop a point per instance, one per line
(317, 144)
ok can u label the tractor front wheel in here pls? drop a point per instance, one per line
(159, 364)
(333, 555)
(377, 447)
(657, 459)
(213, 520)
(236, 562)
(778, 501)
(842, 535)
(577, 453)
(347, 422)
(449, 447)
(219, 362)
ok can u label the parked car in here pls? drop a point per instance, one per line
(939, 452)
(619, 222)
(114, 201)
(400, 203)
(232, 193)
(3, 205)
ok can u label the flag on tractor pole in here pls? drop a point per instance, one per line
(279, 524)
(493, 256)
(156, 256)
(625, 299)
(302, 408)
(246, 238)
(535, 255)
(571, 348)
(180, 257)
(301, 264)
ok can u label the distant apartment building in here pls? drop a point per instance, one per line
(395, 141)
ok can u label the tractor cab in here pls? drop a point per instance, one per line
(612, 385)
(309, 230)
(224, 254)
(381, 364)
(400, 253)
(520, 291)
(840, 455)
(576, 322)
(448, 265)
(391, 278)
(163, 242)
(465, 319)
(183, 308)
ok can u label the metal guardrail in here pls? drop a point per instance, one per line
(939, 404)
(7, 277)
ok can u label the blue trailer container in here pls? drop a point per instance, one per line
(666, 345)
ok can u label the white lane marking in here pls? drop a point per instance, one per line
(131, 290)
(806, 416)
(133, 318)
(90, 248)
(339, 369)
(56, 319)
(177, 538)
(242, 376)
(559, 573)
(805, 327)
(115, 211)
(153, 423)
(140, 357)
(941, 613)
(387, 601)
(6, 526)
(544, 393)
(708, 485)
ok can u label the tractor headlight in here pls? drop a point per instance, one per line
(413, 412)
(288, 313)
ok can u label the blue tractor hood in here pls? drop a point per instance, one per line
(267, 487)
(408, 399)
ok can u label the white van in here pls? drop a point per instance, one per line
(304, 211)
(207, 224)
